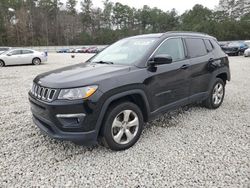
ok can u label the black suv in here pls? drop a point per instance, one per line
(111, 96)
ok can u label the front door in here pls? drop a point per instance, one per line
(13, 57)
(169, 83)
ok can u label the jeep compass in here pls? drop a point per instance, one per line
(109, 98)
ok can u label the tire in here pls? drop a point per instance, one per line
(36, 61)
(216, 95)
(121, 120)
(2, 63)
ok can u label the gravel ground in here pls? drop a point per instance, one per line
(190, 147)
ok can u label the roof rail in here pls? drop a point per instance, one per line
(194, 32)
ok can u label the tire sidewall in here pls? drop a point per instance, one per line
(110, 116)
(214, 106)
(36, 59)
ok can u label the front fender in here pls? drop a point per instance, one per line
(119, 95)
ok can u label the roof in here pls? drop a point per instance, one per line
(171, 33)
(151, 35)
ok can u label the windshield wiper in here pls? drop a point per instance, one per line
(104, 62)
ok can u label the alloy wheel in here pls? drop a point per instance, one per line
(218, 93)
(125, 127)
(36, 61)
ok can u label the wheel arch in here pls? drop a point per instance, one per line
(223, 76)
(136, 96)
(36, 58)
(3, 62)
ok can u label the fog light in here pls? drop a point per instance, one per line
(71, 120)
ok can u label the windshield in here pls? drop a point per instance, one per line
(126, 51)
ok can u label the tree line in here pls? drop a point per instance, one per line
(50, 22)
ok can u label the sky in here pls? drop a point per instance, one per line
(179, 5)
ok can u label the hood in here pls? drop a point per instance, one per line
(80, 75)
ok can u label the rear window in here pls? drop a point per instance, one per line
(208, 45)
(196, 47)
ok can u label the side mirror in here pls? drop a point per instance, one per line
(161, 59)
(9, 54)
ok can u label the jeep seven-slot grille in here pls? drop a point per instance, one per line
(43, 93)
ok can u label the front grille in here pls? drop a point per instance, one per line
(43, 93)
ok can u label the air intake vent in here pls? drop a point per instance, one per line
(43, 93)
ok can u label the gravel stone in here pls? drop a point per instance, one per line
(189, 147)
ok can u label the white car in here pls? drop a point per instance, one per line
(247, 52)
(22, 56)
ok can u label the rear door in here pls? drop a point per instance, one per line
(200, 57)
(169, 83)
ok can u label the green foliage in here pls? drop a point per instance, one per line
(46, 22)
(71, 6)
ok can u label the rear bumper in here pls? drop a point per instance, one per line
(44, 59)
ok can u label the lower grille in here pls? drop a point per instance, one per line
(43, 93)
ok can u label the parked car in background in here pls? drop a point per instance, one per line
(222, 43)
(92, 50)
(235, 48)
(111, 96)
(22, 56)
(80, 50)
(4, 49)
(247, 52)
(64, 50)
(71, 50)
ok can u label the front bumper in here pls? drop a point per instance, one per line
(82, 138)
(69, 121)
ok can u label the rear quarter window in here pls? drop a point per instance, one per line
(209, 46)
(195, 47)
(27, 52)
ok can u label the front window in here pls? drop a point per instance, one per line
(15, 52)
(126, 51)
(172, 47)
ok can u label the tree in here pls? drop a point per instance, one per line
(47, 22)
(107, 14)
(86, 14)
(71, 6)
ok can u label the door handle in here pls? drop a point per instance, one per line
(185, 66)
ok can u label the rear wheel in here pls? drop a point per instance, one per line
(216, 95)
(123, 126)
(1, 63)
(36, 61)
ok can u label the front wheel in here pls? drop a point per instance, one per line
(216, 95)
(1, 63)
(123, 126)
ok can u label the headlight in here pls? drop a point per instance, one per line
(77, 93)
